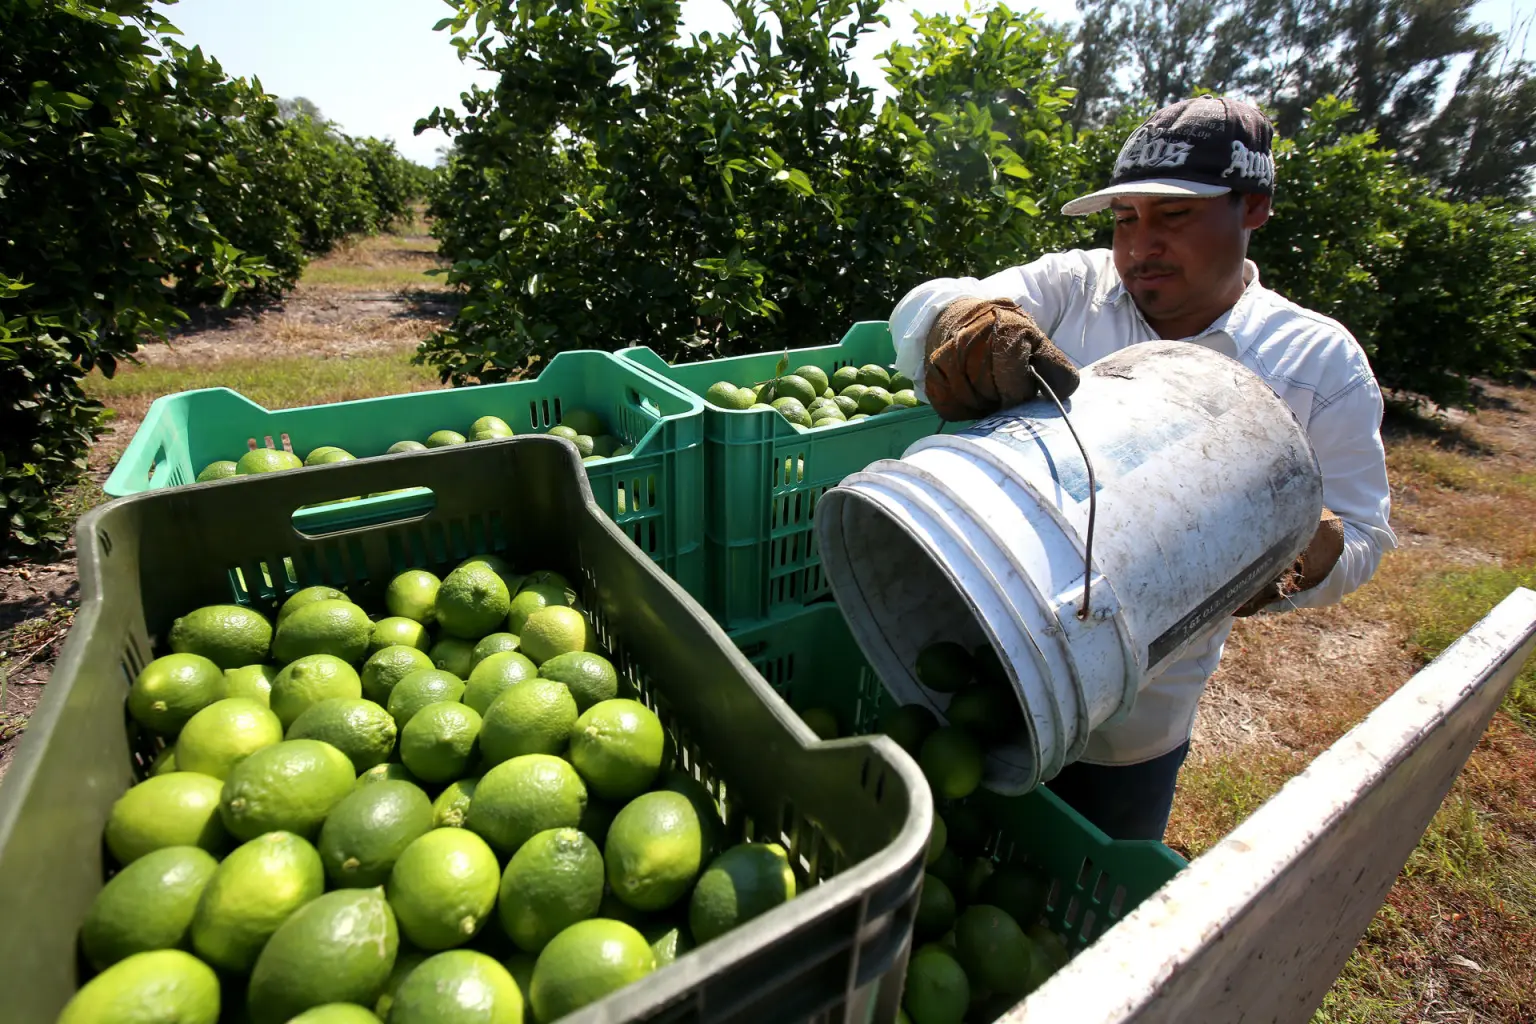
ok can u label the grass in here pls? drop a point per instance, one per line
(365, 278)
(277, 382)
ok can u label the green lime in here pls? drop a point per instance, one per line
(616, 746)
(229, 635)
(554, 880)
(492, 643)
(221, 470)
(794, 386)
(336, 1013)
(590, 677)
(828, 421)
(444, 438)
(909, 725)
(389, 771)
(439, 740)
(937, 839)
(532, 717)
(821, 721)
(569, 433)
(953, 762)
(290, 786)
(458, 987)
(325, 457)
(553, 631)
(937, 990)
(815, 376)
(873, 375)
(178, 809)
(335, 627)
(147, 905)
(443, 887)
(452, 804)
(406, 962)
(906, 398)
(398, 631)
(793, 410)
(654, 851)
(405, 446)
(520, 966)
(253, 891)
(990, 713)
(385, 668)
(252, 682)
(935, 909)
(874, 401)
(172, 689)
(311, 679)
(413, 595)
(845, 405)
(146, 988)
(454, 655)
(584, 445)
(583, 422)
(853, 391)
(740, 884)
(704, 806)
(520, 798)
(968, 830)
(949, 867)
(267, 460)
(586, 962)
(420, 688)
(491, 426)
(857, 417)
(726, 395)
(533, 597)
(993, 949)
(604, 445)
(1048, 946)
(335, 949)
(1017, 891)
(225, 733)
(945, 666)
(472, 602)
(369, 828)
(900, 381)
(499, 565)
(359, 728)
(309, 595)
(164, 762)
(977, 873)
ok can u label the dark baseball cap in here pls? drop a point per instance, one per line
(1207, 146)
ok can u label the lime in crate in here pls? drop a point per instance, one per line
(647, 473)
(851, 819)
(766, 469)
(1051, 867)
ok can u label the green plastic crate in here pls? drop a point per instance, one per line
(855, 815)
(654, 492)
(811, 659)
(765, 474)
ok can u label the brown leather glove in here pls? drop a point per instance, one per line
(979, 355)
(1310, 568)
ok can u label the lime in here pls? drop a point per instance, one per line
(438, 741)
(843, 377)
(266, 460)
(584, 445)
(289, 786)
(794, 386)
(704, 805)
(253, 682)
(495, 674)
(405, 446)
(178, 809)
(949, 867)
(335, 949)
(654, 850)
(953, 762)
(163, 985)
(533, 597)
(253, 891)
(845, 405)
(873, 375)
(147, 905)
(793, 410)
(853, 391)
(359, 728)
(967, 831)
(990, 713)
(499, 565)
(335, 627)
(532, 717)
(458, 987)
(229, 635)
(554, 631)
(590, 677)
(406, 962)
(221, 470)
(740, 884)
(1048, 946)
(822, 722)
(385, 668)
(945, 666)
(225, 733)
(413, 595)
(172, 689)
(444, 438)
(583, 422)
(164, 762)
(904, 399)
(389, 771)
(937, 839)
(522, 797)
(909, 725)
(309, 595)
(815, 376)
(900, 381)
(336, 1013)
(369, 828)
(857, 417)
(874, 401)
(616, 746)
(604, 445)
(452, 804)
(554, 880)
(520, 966)
(420, 688)
(472, 602)
(326, 456)
(493, 643)
(308, 681)
(586, 962)
(977, 873)
(454, 655)
(937, 990)
(935, 909)
(726, 395)
(443, 887)
(398, 631)
(1016, 891)
(992, 948)
(546, 578)
(491, 426)
(828, 421)
(569, 433)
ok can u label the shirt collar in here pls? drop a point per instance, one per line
(1231, 321)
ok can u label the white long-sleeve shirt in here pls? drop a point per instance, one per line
(1313, 363)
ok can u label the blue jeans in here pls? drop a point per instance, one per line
(1126, 801)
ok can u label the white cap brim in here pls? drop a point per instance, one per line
(1093, 202)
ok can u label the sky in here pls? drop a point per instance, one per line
(375, 66)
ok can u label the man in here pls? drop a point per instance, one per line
(1190, 187)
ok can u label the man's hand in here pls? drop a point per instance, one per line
(979, 356)
(1310, 568)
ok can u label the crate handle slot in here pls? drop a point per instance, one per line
(643, 403)
(325, 518)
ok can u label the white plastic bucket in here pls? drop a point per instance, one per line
(1206, 490)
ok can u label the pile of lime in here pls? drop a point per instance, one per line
(454, 809)
(586, 429)
(809, 397)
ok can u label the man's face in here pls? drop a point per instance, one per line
(1182, 259)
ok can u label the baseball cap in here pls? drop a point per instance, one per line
(1206, 146)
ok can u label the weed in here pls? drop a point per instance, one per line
(277, 382)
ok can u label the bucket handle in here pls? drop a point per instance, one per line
(1093, 489)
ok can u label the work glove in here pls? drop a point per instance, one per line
(979, 354)
(1311, 567)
